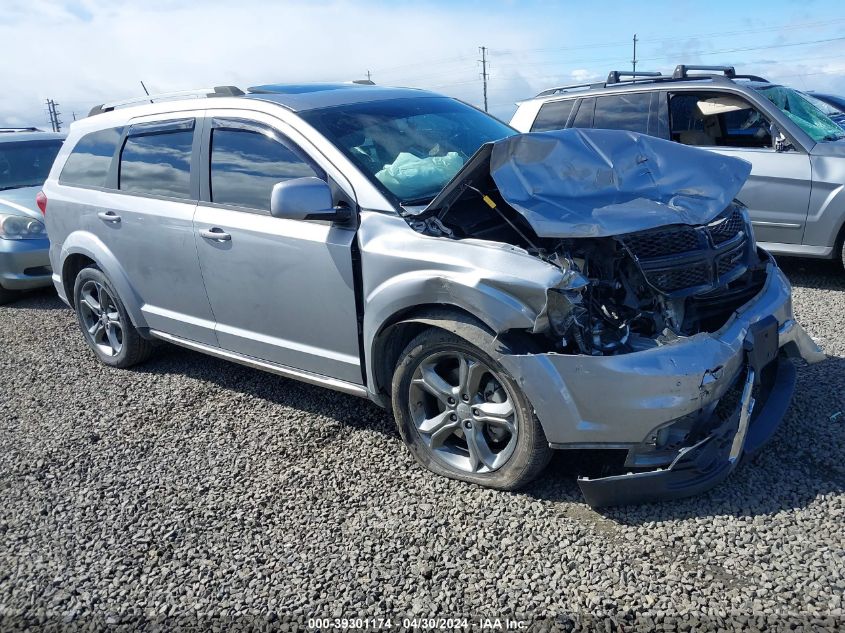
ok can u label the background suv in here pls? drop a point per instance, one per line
(795, 193)
(26, 155)
(362, 238)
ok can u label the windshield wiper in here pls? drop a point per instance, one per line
(416, 202)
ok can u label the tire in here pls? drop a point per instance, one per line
(109, 333)
(509, 448)
(7, 296)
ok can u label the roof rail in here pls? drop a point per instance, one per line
(682, 70)
(6, 130)
(567, 88)
(614, 75)
(217, 91)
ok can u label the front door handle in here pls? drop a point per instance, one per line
(109, 216)
(218, 235)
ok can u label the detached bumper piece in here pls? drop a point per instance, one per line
(766, 391)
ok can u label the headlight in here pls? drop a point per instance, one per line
(20, 227)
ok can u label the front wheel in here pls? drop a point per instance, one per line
(463, 416)
(105, 323)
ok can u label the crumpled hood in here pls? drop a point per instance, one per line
(21, 201)
(595, 183)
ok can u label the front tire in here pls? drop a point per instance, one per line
(104, 322)
(463, 416)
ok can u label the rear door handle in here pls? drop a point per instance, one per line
(109, 216)
(218, 235)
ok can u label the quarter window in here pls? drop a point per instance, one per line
(90, 160)
(246, 163)
(553, 116)
(623, 112)
(156, 160)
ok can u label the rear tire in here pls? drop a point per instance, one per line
(463, 416)
(7, 296)
(105, 325)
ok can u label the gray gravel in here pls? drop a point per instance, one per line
(200, 494)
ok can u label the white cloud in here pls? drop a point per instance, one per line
(84, 53)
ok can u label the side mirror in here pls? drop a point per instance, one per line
(305, 199)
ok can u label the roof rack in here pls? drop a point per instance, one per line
(217, 91)
(614, 75)
(7, 130)
(681, 73)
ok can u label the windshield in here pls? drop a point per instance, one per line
(26, 163)
(804, 114)
(410, 148)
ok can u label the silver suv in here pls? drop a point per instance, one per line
(795, 193)
(507, 294)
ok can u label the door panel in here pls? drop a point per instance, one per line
(151, 236)
(777, 193)
(282, 290)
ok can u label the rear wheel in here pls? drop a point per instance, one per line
(104, 322)
(463, 416)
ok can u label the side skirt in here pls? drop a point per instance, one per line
(256, 363)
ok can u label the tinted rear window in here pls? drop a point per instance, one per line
(158, 162)
(553, 116)
(89, 161)
(623, 112)
(584, 116)
(26, 163)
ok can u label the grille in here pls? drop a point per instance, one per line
(661, 243)
(728, 229)
(729, 261)
(683, 260)
(685, 276)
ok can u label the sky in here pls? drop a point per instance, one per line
(84, 52)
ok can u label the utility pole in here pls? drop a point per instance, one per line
(484, 74)
(53, 112)
(368, 76)
(634, 61)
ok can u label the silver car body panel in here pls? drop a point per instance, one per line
(795, 197)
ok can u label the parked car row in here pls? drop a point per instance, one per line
(505, 294)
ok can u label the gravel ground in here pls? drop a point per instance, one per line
(193, 493)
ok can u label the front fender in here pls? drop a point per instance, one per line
(89, 245)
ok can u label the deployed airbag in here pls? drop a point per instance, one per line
(408, 176)
(595, 183)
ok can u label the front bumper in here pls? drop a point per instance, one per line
(620, 401)
(25, 264)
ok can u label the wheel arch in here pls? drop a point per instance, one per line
(83, 249)
(395, 334)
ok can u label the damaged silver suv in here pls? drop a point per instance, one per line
(507, 294)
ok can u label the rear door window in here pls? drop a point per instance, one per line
(623, 112)
(584, 116)
(553, 115)
(247, 159)
(156, 159)
(90, 160)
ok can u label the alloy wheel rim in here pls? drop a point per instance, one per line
(463, 412)
(101, 318)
